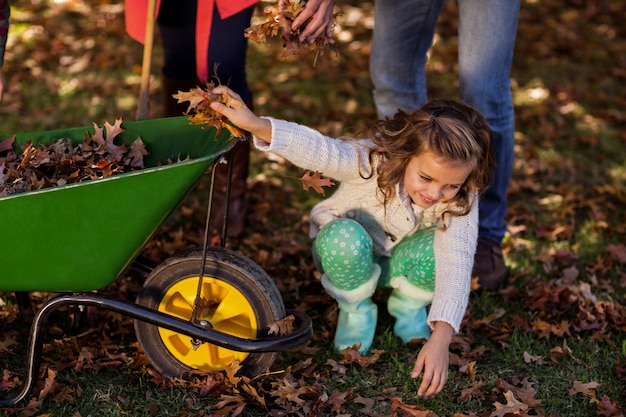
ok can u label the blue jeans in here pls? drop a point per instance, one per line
(403, 33)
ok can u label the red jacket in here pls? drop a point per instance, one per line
(136, 12)
(5, 12)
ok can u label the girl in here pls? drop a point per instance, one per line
(405, 216)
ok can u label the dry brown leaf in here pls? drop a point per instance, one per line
(469, 369)
(368, 403)
(337, 399)
(583, 388)
(473, 391)
(315, 181)
(402, 410)
(512, 406)
(283, 326)
(7, 342)
(618, 252)
(352, 355)
(49, 384)
(252, 392)
(231, 370)
(528, 358)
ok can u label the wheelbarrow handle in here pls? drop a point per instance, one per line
(35, 342)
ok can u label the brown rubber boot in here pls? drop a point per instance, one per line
(489, 265)
(239, 157)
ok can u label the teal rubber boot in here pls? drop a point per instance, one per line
(356, 325)
(356, 322)
(410, 315)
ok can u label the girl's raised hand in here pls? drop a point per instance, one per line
(240, 115)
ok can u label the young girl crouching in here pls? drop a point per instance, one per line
(404, 216)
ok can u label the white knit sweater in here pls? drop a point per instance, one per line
(358, 198)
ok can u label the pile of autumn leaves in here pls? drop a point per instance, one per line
(61, 162)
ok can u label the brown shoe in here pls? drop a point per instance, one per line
(489, 265)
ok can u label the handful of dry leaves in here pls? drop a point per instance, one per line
(200, 112)
(60, 162)
(279, 24)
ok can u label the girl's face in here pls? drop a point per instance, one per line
(429, 178)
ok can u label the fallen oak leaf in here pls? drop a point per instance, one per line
(315, 181)
(526, 393)
(608, 408)
(512, 406)
(543, 328)
(368, 403)
(336, 367)
(617, 251)
(254, 393)
(474, 390)
(7, 144)
(352, 355)
(561, 352)
(231, 370)
(229, 404)
(528, 358)
(468, 368)
(8, 381)
(283, 326)
(7, 342)
(49, 384)
(337, 399)
(408, 410)
(288, 389)
(583, 388)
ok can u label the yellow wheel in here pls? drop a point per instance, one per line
(237, 298)
(223, 306)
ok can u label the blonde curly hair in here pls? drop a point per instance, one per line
(448, 128)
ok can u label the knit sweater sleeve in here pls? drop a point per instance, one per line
(454, 251)
(309, 149)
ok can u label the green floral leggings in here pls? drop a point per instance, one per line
(343, 251)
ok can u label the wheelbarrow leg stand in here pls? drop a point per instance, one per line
(24, 306)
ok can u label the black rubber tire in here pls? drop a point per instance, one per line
(225, 266)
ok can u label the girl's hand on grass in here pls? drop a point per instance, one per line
(241, 116)
(433, 359)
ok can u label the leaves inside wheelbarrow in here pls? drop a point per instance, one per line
(60, 162)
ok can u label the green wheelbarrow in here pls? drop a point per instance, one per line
(201, 309)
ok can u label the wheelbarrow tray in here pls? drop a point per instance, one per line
(80, 237)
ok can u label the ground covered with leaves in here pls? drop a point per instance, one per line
(551, 343)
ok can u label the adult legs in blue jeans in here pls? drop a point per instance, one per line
(403, 33)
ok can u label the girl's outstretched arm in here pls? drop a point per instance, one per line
(241, 116)
(433, 361)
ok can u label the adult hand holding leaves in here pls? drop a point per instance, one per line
(315, 19)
